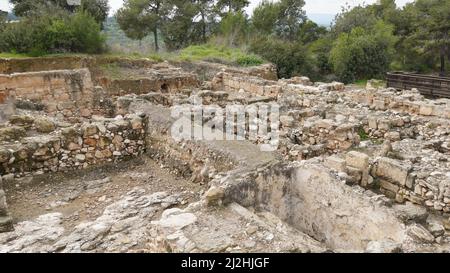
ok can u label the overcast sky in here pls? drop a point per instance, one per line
(312, 6)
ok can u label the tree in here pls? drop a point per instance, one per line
(178, 28)
(205, 9)
(362, 53)
(291, 18)
(53, 33)
(433, 29)
(3, 15)
(234, 28)
(98, 9)
(310, 32)
(265, 17)
(138, 18)
(290, 58)
(350, 18)
(231, 6)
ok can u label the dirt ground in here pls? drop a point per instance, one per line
(83, 196)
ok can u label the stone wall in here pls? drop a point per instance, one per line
(69, 92)
(207, 70)
(5, 219)
(311, 199)
(77, 147)
(400, 180)
(9, 66)
(254, 85)
(169, 80)
(404, 101)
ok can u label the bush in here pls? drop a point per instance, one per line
(49, 33)
(249, 60)
(291, 58)
(363, 54)
(219, 54)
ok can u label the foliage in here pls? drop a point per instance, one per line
(265, 17)
(50, 33)
(234, 28)
(249, 60)
(291, 18)
(290, 58)
(432, 29)
(139, 18)
(363, 54)
(178, 29)
(224, 7)
(219, 54)
(98, 9)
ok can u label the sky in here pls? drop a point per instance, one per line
(312, 6)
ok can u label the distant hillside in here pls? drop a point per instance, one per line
(322, 19)
(119, 42)
(12, 17)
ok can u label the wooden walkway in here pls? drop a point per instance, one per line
(430, 86)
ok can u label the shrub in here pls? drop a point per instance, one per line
(219, 54)
(363, 54)
(249, 60)
(50, 33)
(291, 58)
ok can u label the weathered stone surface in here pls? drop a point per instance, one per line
(21, 120)
(411, 213)
(421, 234)
(5, 225)
(214, 196)
(176, 219)
(12, 133)
(89, 130)
(393, 170)
(357, 160)
(384, 247)
(335, 163)
(44, 125)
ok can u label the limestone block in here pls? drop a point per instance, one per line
(393, 170)
(335, 163)
(357, 160)
(389, 186)
(373, 123)
(426, 109)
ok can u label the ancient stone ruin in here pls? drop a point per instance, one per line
(89, 161)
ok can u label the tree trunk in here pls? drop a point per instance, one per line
(155, 34)
(203, 27)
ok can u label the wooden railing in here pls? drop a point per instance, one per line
(430, 86)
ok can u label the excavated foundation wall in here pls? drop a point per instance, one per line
(312, 200)
(254, 85)
(163, 84)
(9, 66)
(75, 147)
(5, 219)
(407, 103)
(70, 92)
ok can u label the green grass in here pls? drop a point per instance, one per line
(361, 83)
(209, 52)
(13, 55)
(362, 134)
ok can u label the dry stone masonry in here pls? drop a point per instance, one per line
(355, 170)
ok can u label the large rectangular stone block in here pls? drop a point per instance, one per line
(335, 163)
(357, 160)
(393, 170)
